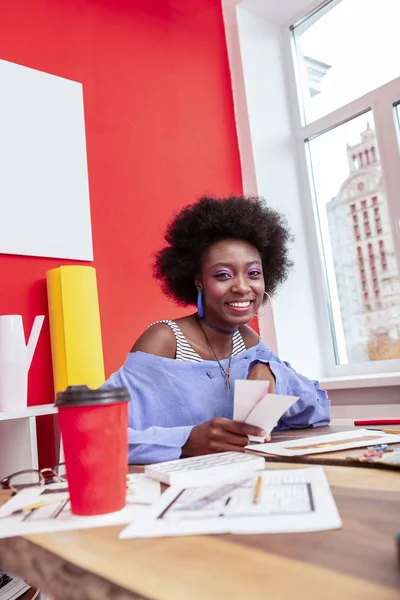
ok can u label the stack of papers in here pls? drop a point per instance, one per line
(199, 470)
(251, 501)
(11, 587)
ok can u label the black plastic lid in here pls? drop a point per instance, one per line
(82, 395)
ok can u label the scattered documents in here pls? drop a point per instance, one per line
(46, 509)
(327, 443)
(11, 587)
(198, 470)
(253, 405)
(287, 501)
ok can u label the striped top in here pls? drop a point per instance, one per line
(185, 352)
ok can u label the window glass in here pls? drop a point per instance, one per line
(345, 50)
(358, 246)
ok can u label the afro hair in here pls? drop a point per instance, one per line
(209, 220)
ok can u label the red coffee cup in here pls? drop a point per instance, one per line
(94, 426)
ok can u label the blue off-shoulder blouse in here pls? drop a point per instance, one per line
(169, 397)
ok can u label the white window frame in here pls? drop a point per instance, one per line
(381, 102)
(273, 165)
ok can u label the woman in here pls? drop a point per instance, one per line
(227, 257)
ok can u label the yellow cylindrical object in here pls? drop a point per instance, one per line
(75, 329)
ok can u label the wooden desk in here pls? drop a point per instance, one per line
(357, 562)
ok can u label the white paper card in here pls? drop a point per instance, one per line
(253, 405)
(268, 411)
(248, 393)
(297, 500)
(327, 443)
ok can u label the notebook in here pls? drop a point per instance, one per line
(200, 470)
(11, 587)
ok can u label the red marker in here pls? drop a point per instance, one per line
(383, 421)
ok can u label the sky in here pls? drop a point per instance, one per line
(359, 38)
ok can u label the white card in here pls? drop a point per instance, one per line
(268, 411)
(248, 393)
(253, 405)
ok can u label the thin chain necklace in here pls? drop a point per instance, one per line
(226, 372)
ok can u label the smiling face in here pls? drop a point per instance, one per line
(232, 282)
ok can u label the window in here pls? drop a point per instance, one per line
(344, 50)
(349, 127)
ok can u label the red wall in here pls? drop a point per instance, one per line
(160, 131)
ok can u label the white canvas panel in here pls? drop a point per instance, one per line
(44, 192)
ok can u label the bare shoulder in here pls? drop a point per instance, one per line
(159, 339)
(250, 337)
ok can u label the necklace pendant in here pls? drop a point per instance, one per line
(228, 379)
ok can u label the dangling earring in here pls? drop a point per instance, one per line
(200, 308)
(262, 314)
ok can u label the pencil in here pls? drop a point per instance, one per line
(393, 431)
(41, 504)
(257, 491)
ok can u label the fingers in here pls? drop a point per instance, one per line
(244, 429)
(232, 439)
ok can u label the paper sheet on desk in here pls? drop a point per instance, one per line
(327, 443)
(253, 405)
(297, 500)
(142, 492)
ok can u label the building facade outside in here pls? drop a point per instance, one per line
(365, 266)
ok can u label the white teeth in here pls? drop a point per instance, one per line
(240, 304)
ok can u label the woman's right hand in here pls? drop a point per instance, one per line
(220, 435)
